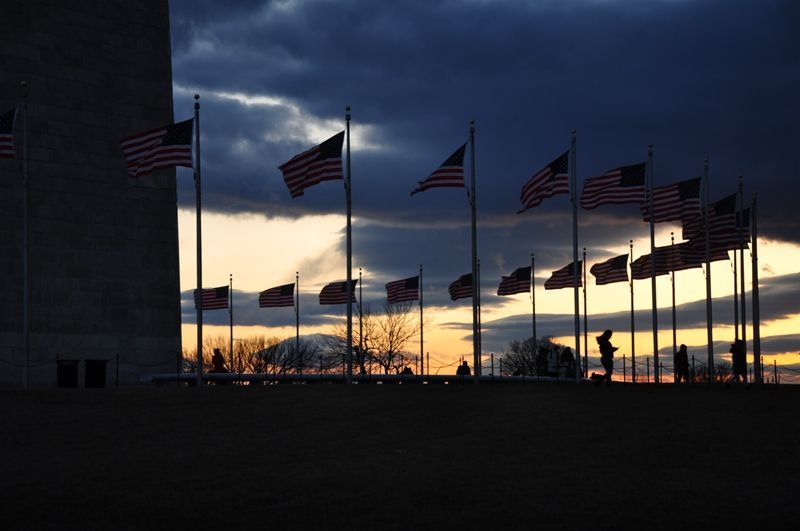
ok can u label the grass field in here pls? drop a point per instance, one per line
(402, 457)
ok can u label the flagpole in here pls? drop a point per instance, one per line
(25, 242)
(633, 324)
(230, 316)
(421, 326)
(585, 319)
(348, 195)
(755, 297)
(533, 309)
(735, 297)
(198, 198)
(575, 274)
(297, 321)
(653, 260)
(741, 258)
(709, 310)
(674, 315)
(475, 279)
(360, 319)
(480, 328)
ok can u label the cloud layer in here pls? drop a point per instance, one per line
(702, 78)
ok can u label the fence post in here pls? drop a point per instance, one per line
(694, 372)
(648, 369)
(775, 372)
(660, 371)
(428, 362)
(624, 375)
(492, 356)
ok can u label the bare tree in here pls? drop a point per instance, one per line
(379, 339)
(256, 354)
(520, 358)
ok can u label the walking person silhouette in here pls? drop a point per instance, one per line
(606, 355)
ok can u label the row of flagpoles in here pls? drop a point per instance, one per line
(174, 144)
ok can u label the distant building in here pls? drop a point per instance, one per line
(103, 248)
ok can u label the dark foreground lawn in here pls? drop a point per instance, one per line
(401, 457)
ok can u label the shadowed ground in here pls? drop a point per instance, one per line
(402, 457)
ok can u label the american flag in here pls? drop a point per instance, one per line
(674, 202)
(620, 185)
(552, 180)
(564, 277)
(461, 288)
(519, 281)
(213, 298)
(7, 134)
(403, 290)
(320, 163)
(336, 293)
(449, 175)
(676, 257)
(277, 297)
(610, 271)
(723, 229)
(164, 147)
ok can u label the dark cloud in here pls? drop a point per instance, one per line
(704, 78)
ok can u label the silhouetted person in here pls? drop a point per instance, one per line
(541, 361)
(739, 361)
(463, 369)
(567, 363)
(407, 370)
(606, 354)
(681, 363)
(218, 364)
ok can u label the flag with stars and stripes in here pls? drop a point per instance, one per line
(519, 281)
(461, 288)
(277, 297)
(674, 202)
(552, 180)
(620, 185)
(403, 290)
(564, 277)
(612, 270)
(678, 257)
(318, 164)
(723, 228)
(213, 298)
(336, 293)
(449, 175)
(164, 147)
(7, 134)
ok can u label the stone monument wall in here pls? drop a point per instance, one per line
(103, 248)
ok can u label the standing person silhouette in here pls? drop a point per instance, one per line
(606, 355)
(681, 363)
(739, 361)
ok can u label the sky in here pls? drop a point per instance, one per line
(698, 79)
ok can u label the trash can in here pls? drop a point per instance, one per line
(67, 373)
(95, 376)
